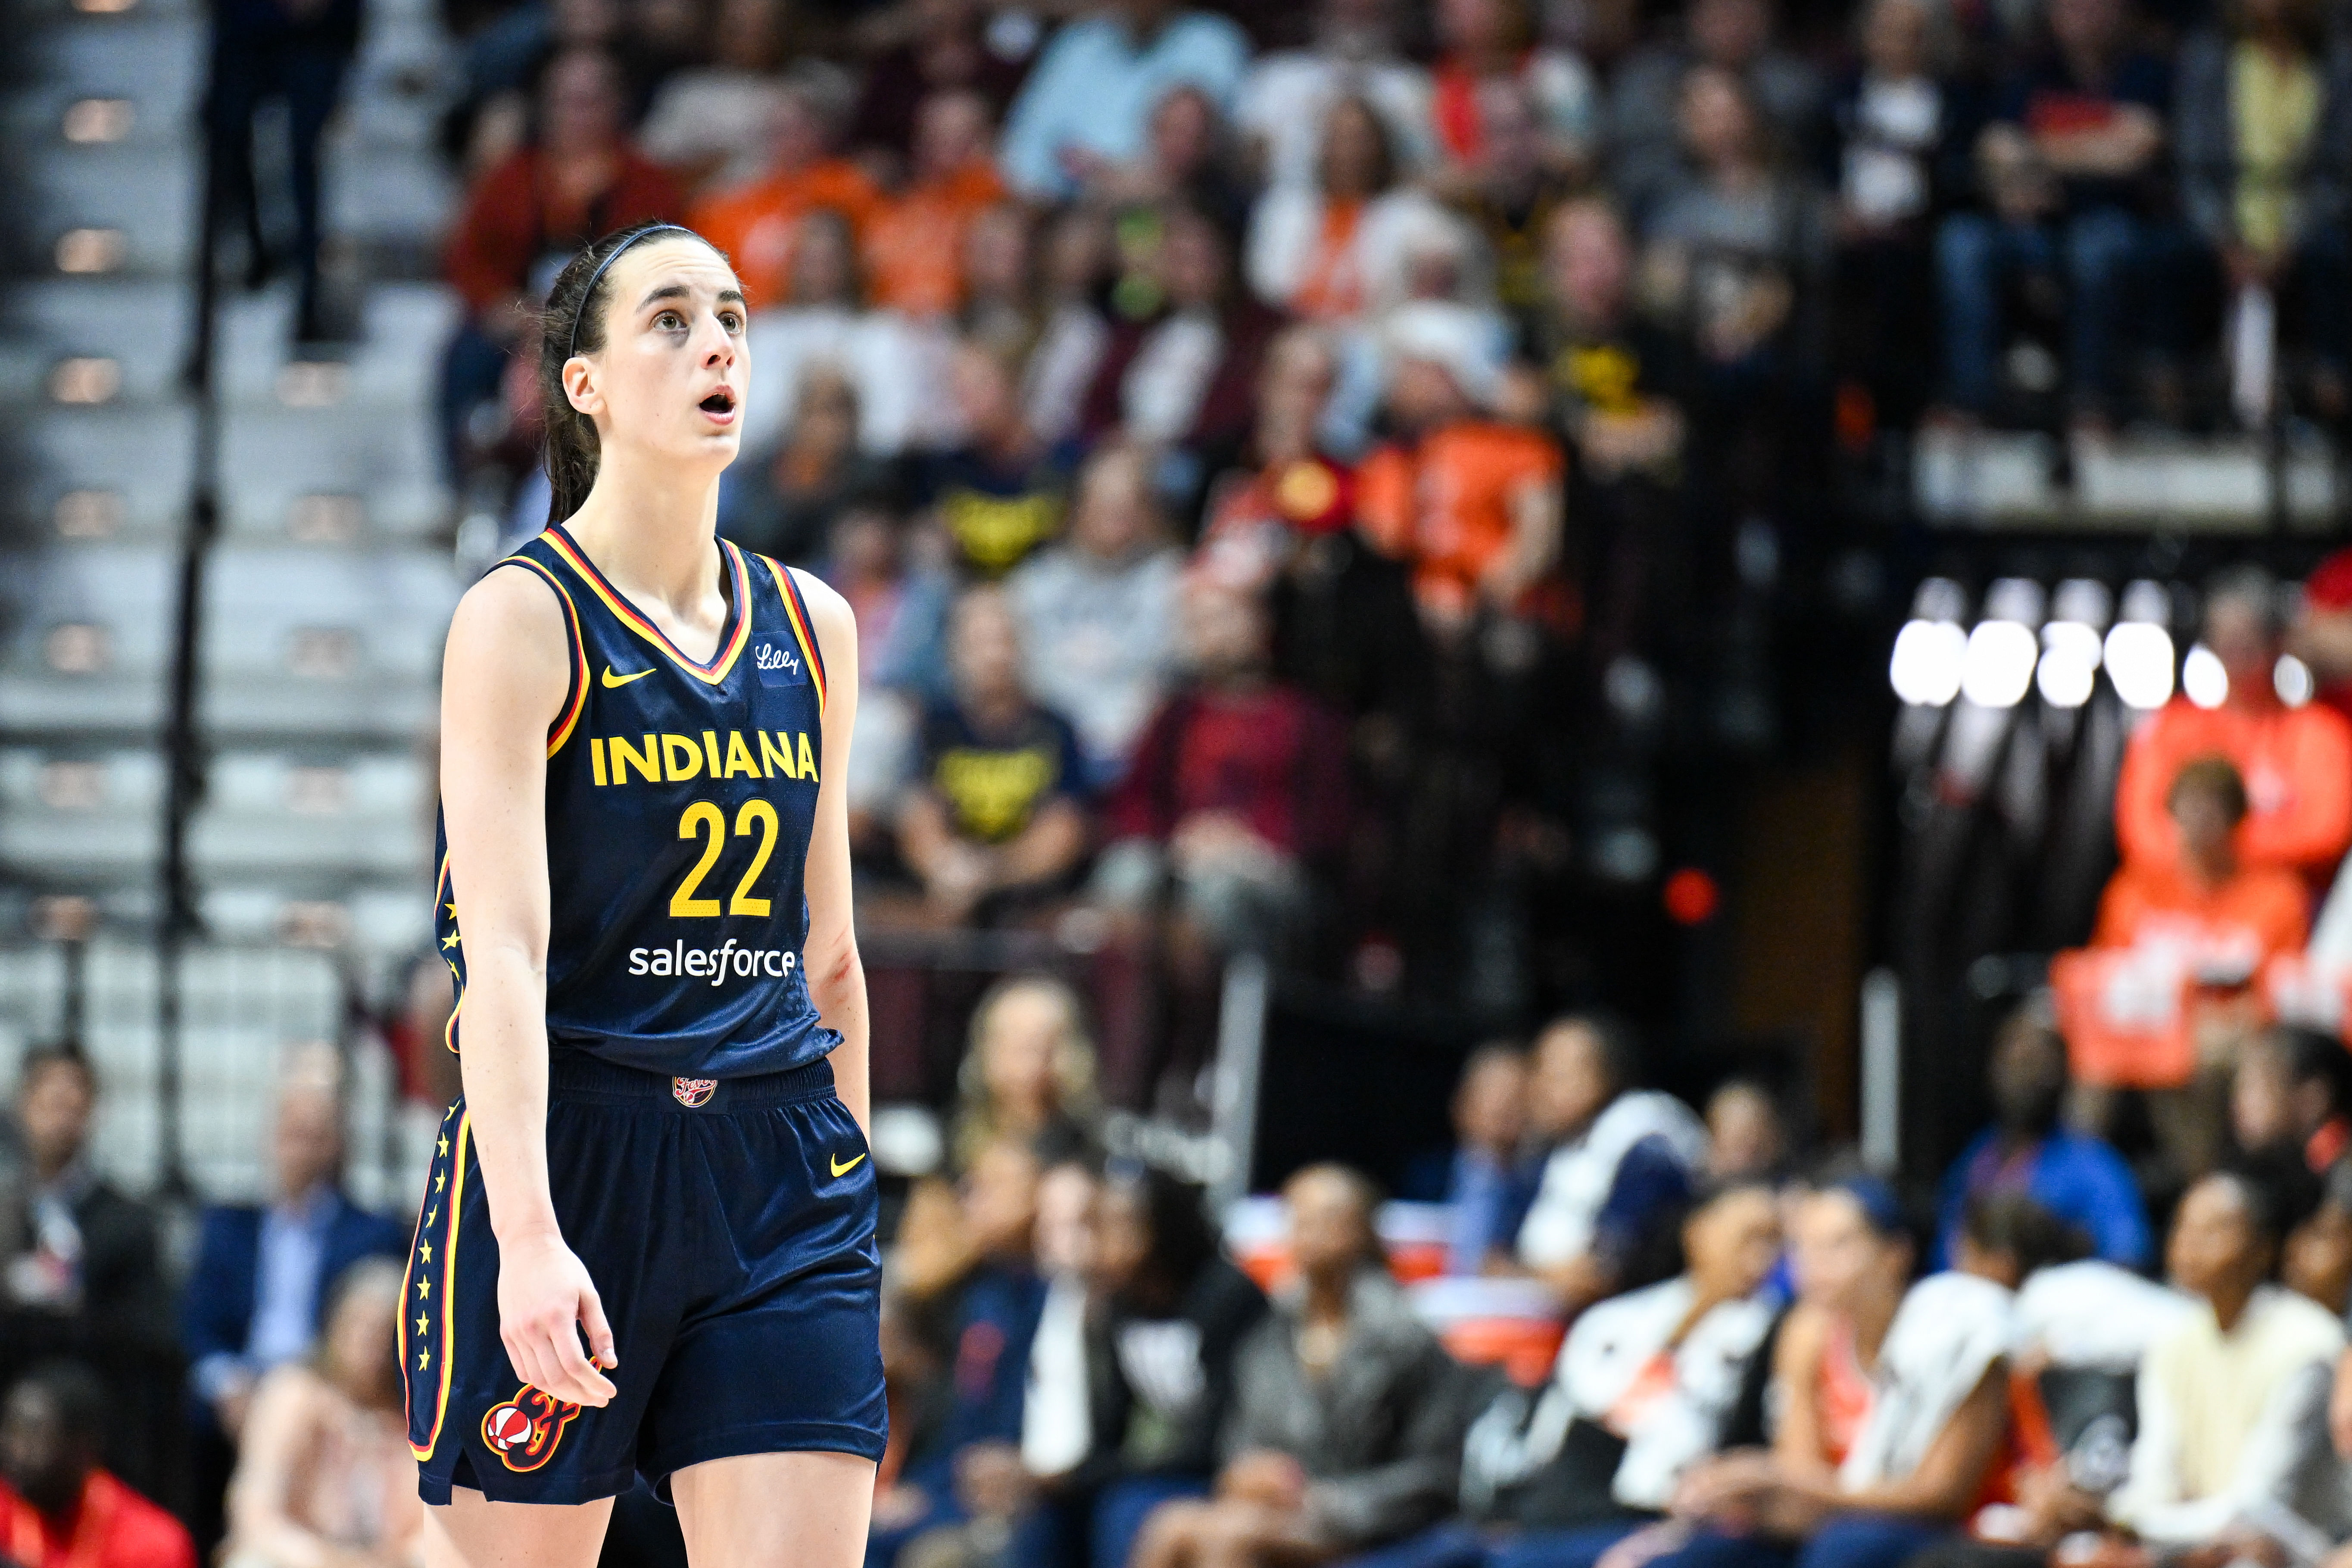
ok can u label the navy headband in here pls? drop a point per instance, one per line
(596, 277)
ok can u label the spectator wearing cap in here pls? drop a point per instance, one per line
(996, 816)
(83, 1268)
(1236, 793)
(2080, 1180)
(758, 225)
(1736, 36)
(1091, 96)
(59, 1507)
(1471, 505)
(1289, 96)
(914, 239)
(1346, 1421)
(1620, 1161)
(2296, 762)
(2067, 168)
(578, 178)
(2291, 1095)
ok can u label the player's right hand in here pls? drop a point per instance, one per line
(545, 1301)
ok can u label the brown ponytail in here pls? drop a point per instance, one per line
(573, 323)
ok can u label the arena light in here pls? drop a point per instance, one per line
(1925, 668)
(1997, 665)
(2138, 657)
(2070, 664)
(2294, 681)
(2204, 680)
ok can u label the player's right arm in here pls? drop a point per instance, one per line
(505, 676)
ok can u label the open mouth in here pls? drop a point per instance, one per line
(719, 402)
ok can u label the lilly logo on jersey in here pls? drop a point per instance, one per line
(524, 1430)
(768, 656)
(716, 964)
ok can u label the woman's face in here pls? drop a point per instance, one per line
(1066, 1221)
(1113, 511)
(1184, 132)
(1351, 152)
(360, 1344)
(1717, 123)
(1733, 1242)
(1025, 1029)
(669, 382)
(996, 254)
(580, 104)
(2214, 1246)
(1840, 1262)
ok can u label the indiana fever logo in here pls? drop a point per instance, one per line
(524, 1431)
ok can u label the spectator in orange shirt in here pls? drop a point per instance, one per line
(755, 224)
(2231, 912)
(59, 1508)
(579, 179)
(2296, 761)
(914, 243)
(1471, 505)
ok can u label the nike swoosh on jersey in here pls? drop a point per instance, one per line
(841, 1170)
(612, 680)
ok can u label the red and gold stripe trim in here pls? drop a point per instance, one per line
(796, 611)
(561, 731)
(456, 1199)
(709, 674)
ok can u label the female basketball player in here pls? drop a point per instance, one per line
(645, 896)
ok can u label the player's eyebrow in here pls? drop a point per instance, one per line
(680, 291)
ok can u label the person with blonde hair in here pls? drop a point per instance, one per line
(325, 1479)
(1029, 1072)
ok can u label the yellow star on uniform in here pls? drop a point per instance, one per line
(439, 1177)
(424, 1250)
(450, 1112)
(423, 1289)
(430, 1213)
(423, 1323)
(422, 1358)
(449, 941)
(453, 910)
(445, 1143)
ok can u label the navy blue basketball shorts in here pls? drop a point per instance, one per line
(729, 1227)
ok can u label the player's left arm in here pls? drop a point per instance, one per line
(837, 979)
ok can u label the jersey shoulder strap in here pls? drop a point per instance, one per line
(788, 588)
(533, 555)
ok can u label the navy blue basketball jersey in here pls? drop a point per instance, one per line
(681, 797)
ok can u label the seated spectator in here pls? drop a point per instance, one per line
(1091, 96)
(1071, 335)
(1892, 1406)
(1644, 1389)
(1489, 1186)
(1001, 308)
(897, 367)
(578, 179)
(1029, 1074)
(950, 50)
(914, 240)
(2321, 631)
(1471, 505)
(2080, 1181)
(1187, 161)
(1509, 194)
(1736, 251)
(1003, 492)
(1745, 1139)
(1097, 611)
(788, 506)
(2316, 1262)
(996, 818)
(760, 224)
(2007, 1237)
(1645, 133)
(2233, 1402)
(2066, 164)
(1621, 1160)
(1160, 1348)
(2296, 761)
(2263, 125)
(979, 1275)
(59, 1508)
(325, 1474)
(1490, 44)
(1346, 1427)
(254, 1298)
(1317, 246)
(1903, 144)
(1235, 795)
(708, 123)
(2290, 1096)
(1183, 378)
(1289, 96)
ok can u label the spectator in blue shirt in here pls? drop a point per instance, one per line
(1490, 1182)
(2081, 1180)
(1090, 99)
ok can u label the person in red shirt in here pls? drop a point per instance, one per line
(914, 241)
(580, 179)
(1237, 788)
(2322, 635)
(754, 224)
(58, 1508)
(2296, 761)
